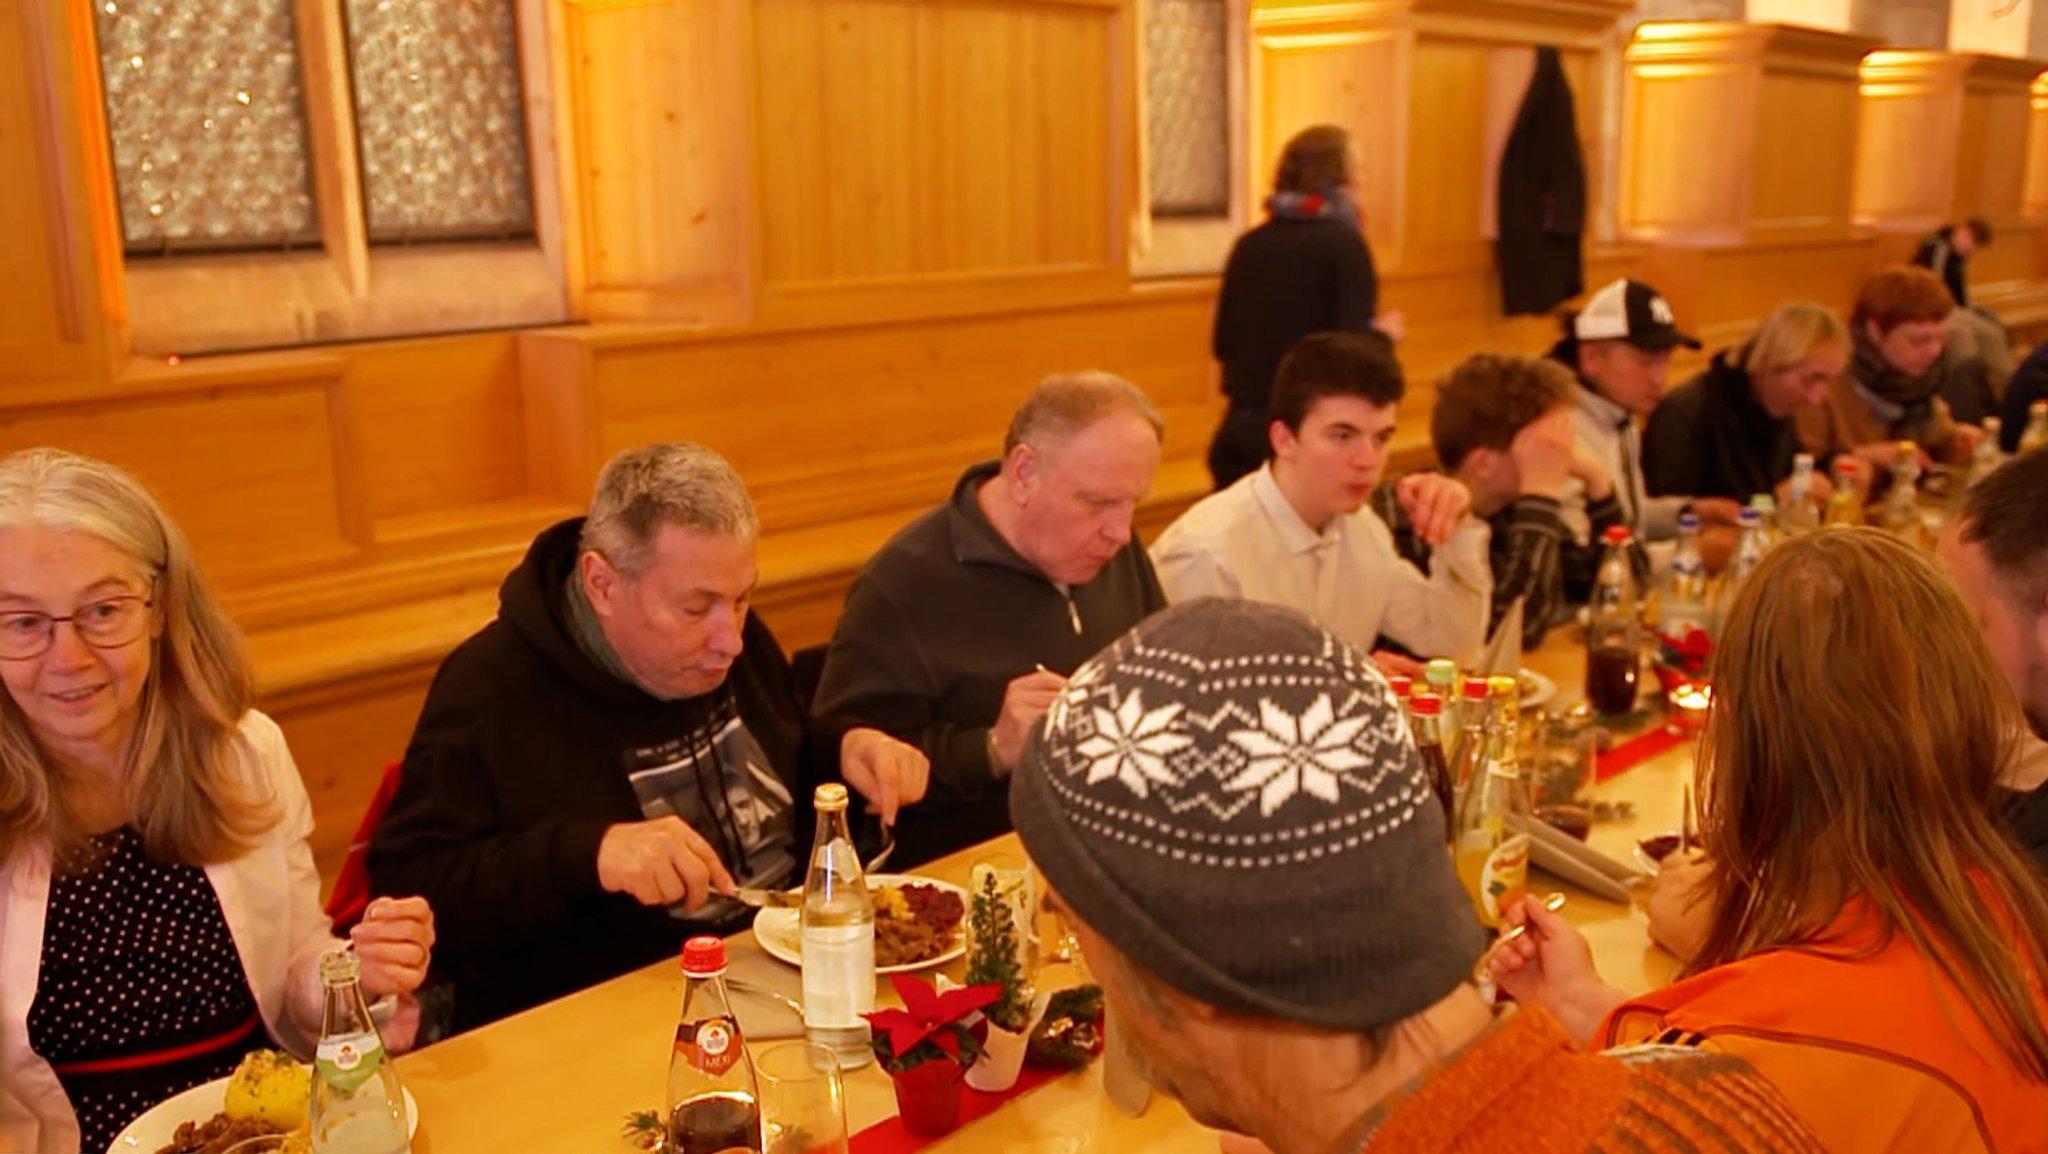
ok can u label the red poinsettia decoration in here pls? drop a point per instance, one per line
(1682, 657)
(931, 1024)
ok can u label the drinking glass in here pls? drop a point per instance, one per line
(803, 1102)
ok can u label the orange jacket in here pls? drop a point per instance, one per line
(1878, 1053)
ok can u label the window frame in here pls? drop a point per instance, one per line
(1178, 245)
(346, 288)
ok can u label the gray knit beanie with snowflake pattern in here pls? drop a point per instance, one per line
(1229, 796)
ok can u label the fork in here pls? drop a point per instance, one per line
(881, 855)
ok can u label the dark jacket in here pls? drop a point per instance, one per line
(1938, 255)
(1542, 197)
(516, 769)
(937, 625)
(2027, 813)
(1285, 279)
(2029, 384)
(1710, 438)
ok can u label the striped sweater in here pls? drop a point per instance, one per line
(1526, 1088)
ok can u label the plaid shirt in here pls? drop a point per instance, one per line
(1534, 556)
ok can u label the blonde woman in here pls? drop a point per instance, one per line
(1729, 432)
(159, 909)
(1876, 943)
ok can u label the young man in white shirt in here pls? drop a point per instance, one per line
(1298, 532)
(1620, 347)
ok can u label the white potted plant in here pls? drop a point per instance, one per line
(996, 956)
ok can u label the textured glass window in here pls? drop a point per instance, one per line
(439, 120)
(208, 124)
(1187, 109)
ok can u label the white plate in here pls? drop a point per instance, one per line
(780, 932)
(1537, 690)
(154, 1130)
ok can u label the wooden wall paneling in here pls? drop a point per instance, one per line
(249, 470)
(1991, 163)
(556, 385)
(659, 165)
(51, 322)
(2034, 197)
(1721, 292)
(1906, 144)
(440, 423)
(913, 152)
(2013, 255)
(1739, 131)
(1447, 166)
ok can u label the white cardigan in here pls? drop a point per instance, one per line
(271, 896)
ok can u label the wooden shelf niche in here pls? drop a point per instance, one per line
(1739, 151)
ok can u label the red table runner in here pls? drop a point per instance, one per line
(1638, 749)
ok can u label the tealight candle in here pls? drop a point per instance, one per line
(1689, 704)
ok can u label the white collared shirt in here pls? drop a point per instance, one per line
(1610, 433)
(1248, 541)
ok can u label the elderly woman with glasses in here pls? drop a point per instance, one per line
(159, 909)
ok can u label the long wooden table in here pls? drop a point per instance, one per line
(561, 1078)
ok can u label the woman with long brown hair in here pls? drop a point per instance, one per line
(159, 910)
(1877, 943)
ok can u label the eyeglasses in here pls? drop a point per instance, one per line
(105, 624)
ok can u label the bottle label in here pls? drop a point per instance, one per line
(346, 1061)
(1504, 879)
(838, 975)
(711, 1045)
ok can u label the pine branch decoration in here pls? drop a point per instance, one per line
(993, 956)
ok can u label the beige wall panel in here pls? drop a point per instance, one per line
(44, 298)
(901, 139)
(1681, 176)
(1353, 79)
(1448, 169)
(2014, 255)
(440, 423)
(662, 159)
(1991, 164)
(1805, 163)
(249, 474)
(1907, 138)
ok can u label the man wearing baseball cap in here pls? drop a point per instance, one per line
(1620, 346)
(1227, 805)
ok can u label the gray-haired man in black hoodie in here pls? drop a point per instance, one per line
(624, 745)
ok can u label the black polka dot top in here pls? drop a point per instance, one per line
(141, 994)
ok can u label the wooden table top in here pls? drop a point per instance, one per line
(562, 1077)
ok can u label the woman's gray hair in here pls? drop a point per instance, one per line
(666, 483)
(1066, 403)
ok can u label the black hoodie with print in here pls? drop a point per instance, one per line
(527, 751)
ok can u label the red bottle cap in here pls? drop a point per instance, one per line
(1402, 686)
(1849, 468)
(1427, 704)
(1616, 534)
(704, 956)
(1475, 687)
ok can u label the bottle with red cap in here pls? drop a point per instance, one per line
(1464, 722)
(1613, 630)
(1425, 722)
(713, 1097)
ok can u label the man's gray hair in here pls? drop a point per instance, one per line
(666, 483)
(1066, 403)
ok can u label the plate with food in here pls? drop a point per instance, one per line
(266, 1096)
(1536, 689)
(918, 924)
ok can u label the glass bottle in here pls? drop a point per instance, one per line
(1800, 514)
(1901, 512)
(1766, 507)
(1470, 721)
(1493, 866)
(1613, 643)
(1685, 592)
(1442, 678)
(1425, 721)
(1989, 455)
(713, 1096)
(1402, 687)
(358, 1106)
(838, 937)
(1846, 506)
(2036, 434)
(1750, 547)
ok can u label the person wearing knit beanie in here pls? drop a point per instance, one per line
(1227, 805)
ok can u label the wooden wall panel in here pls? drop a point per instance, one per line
(660, 168)
(250, 474)
(440, 423)
(902, 139)
(1721, 292)
(2034, 198)
(1696, 188)
(1991, 166)
(1805, 163)
(1305, 75)
(49, 325)
(1907, 138)
(1447, 173)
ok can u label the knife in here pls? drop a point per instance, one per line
(761, 898)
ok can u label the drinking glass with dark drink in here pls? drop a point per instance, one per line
(1613, 630)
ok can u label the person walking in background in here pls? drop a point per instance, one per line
(1307, 269)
